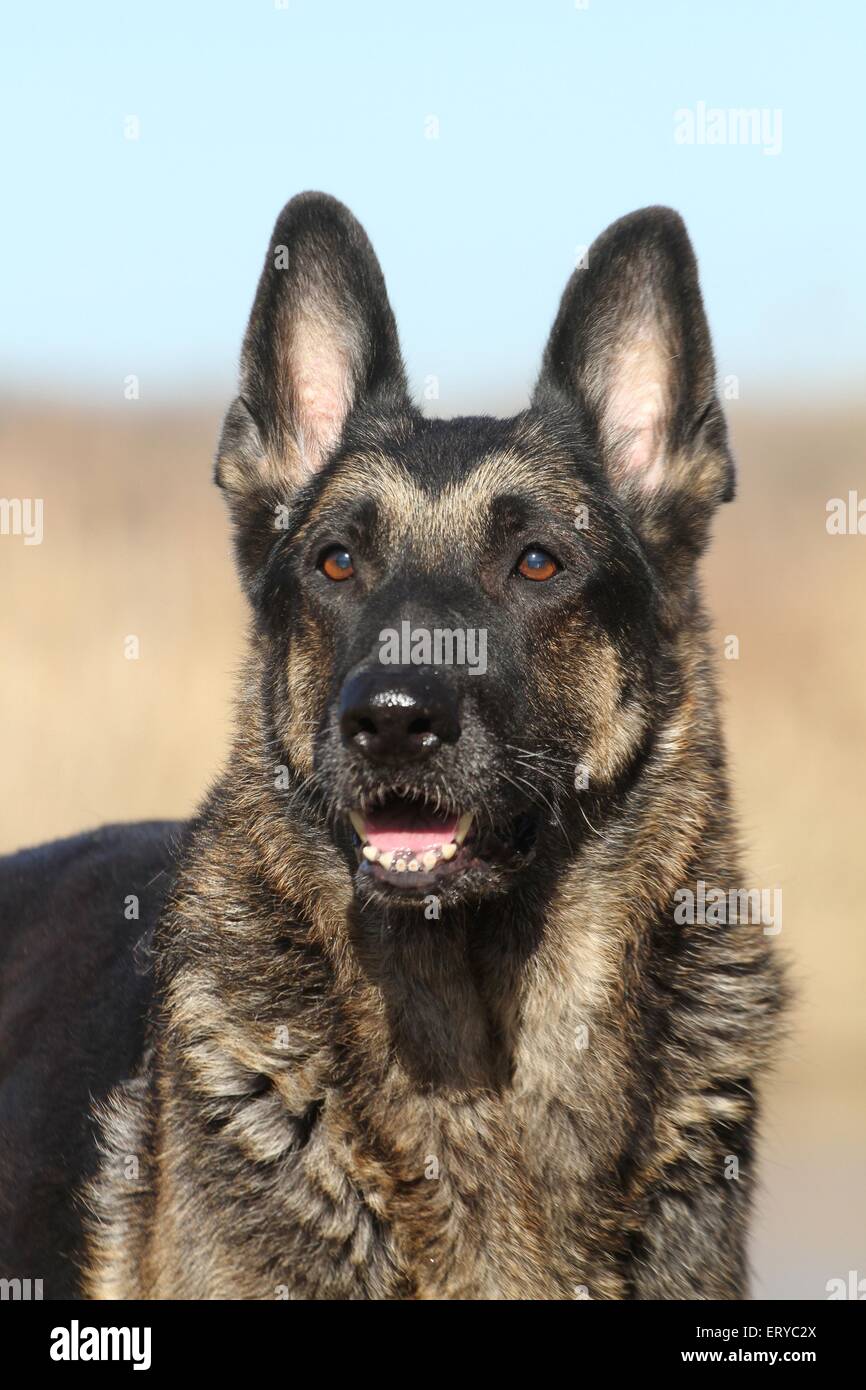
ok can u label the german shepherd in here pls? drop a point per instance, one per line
(406, 1011)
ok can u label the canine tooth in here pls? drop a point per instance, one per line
(400, 866)
(430, 859)
(386, 859)
(463, 827)
(449, 850)
(370, 852)
(414, 865)
(358, 821)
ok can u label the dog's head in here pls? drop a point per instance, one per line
(467, 626)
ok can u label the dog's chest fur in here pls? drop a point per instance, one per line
(535, 1100)
(494, 1199)
(292, 1139)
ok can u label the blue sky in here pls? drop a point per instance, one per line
(141, 256)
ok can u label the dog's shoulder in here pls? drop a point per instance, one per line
(76, 918)
(70, 887)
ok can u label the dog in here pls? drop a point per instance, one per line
(404, 1012)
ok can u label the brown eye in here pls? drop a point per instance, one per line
(336, 563)
(537, 564)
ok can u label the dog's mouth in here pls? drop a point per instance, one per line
(415, 846)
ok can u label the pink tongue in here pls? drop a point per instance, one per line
(402, 828)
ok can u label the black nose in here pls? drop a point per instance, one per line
(398, 714)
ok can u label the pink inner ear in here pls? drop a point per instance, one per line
(636, 408)
(321, 381)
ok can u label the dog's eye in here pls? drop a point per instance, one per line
(336, 563)
(537, 564)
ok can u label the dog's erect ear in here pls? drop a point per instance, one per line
(631, 349)
(321, 341)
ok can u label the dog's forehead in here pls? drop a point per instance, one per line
(430, 507)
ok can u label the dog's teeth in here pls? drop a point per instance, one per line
(449, 850)
(414, 865)
(400, 866)
(463, 827)
(370, 852)
(386, 859)
(358, 821)
(430, 859)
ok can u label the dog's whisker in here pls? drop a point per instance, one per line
(553, 810)
(541, 754)
(599, 833)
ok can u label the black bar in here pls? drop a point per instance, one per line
(256, 1339)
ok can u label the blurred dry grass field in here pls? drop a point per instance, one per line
(136, 543)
